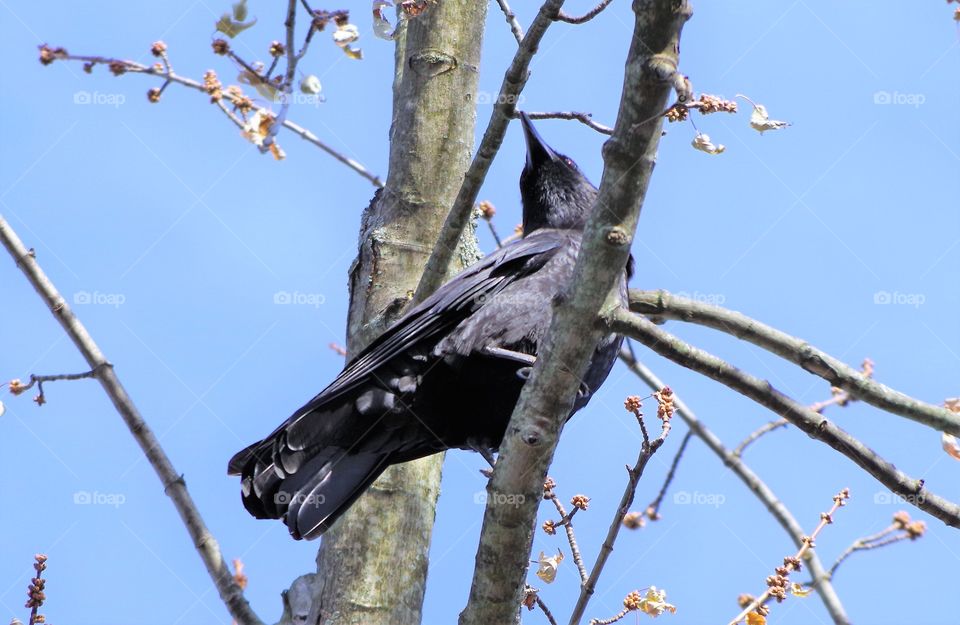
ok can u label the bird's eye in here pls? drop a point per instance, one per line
(569, 161)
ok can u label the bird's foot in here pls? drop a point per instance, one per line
(583, 391)
(509, 354)
(486, 452)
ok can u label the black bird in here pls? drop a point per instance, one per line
(446, 375)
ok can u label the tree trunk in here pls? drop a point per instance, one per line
(372, 565)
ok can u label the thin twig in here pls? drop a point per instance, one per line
(493, 231)
(653, 510)
(566, 520)
(760, 431)
(172, 481)
(40, 379)
(35, 594)
(584, 118)
(793, 564)
(647, 449)
(17, 388)
(901, 522)
(231, 115)
(810, 422)
(511, 18)
(346, 160)
(752, 481)
(138, 68)
(586, 17)
(613, 619)
(840, 398)
(862, 545)
(663, 305)
(546, 611)
(287, 87)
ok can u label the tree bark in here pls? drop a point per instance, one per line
(372, 565)
(503, 555)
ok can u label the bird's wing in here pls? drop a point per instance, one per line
(448, 306)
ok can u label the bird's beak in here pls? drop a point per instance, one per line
(538, 151)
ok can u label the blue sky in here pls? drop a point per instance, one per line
(181, 233)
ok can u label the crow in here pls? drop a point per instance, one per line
(446, 375)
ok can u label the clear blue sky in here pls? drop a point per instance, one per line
(167, 208)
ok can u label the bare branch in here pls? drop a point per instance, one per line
(17, 388)
(546, 611)
(663, 305)
(566, 521)
(35, 594)
(173, 483)
(346, 160)
(513, 83)
(840, 398)
(653, 510)
(776, 585)
(169, 77)
(38, 380)
(511, 18)
(901, 522)
(532, 598)
(586, 17)
(626, 500)
(286, 88)
(547, 397)
(760, 431)
(811, 423)
(583, 118)
(754, 484)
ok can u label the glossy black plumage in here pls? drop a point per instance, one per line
(446, 375)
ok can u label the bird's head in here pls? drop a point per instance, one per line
(554, 191)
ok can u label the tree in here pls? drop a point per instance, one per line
(403, 221)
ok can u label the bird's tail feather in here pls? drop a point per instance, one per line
(312, 499)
